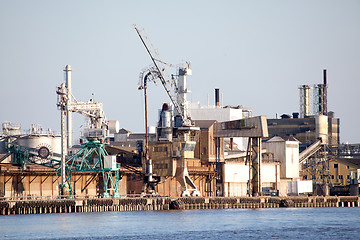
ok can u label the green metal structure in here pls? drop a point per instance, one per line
(90, 158)
(23, 155)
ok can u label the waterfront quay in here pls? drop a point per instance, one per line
(38, 206)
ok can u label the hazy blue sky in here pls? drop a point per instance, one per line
(257, 52)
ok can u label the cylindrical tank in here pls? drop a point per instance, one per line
(165, 119)
(53, 143)
(113, 126)
(321, 123)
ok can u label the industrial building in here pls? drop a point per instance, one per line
(322, 158)
(193, 151)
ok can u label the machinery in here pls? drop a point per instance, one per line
(177, 135)
(36, 146)
(92, 156)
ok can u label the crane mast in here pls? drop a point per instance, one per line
(93, 155)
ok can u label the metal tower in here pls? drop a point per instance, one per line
(92, 156)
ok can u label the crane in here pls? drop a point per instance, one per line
(181, 135)
(95, 133)
(156, 72)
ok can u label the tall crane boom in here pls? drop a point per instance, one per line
(157, 73)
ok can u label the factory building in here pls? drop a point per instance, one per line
(315, 121)
(186, 153)
(323, 160)
(36, 180)
(280, 158)
(306, 130)
(236, 175)
(221, 114)
(200, 163)
(279, 168)
(20, 177)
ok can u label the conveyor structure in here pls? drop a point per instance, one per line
(92, 156)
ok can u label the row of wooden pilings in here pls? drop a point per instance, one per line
(8, 207)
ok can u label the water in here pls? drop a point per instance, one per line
(275, 223)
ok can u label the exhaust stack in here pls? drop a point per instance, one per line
(67, 71)
(217, 96)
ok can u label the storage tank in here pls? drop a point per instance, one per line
(49, 142)
(113, 126)
(322, 128)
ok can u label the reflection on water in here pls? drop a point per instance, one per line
(290, 223)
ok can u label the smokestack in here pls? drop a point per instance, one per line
(325, 77)
(67, 71)
(217, 103)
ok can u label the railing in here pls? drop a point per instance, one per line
(56, 197)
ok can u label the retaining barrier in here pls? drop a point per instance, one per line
(9, 207)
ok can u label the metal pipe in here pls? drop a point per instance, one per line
(67, 71)
(63, 143)
(148, 161)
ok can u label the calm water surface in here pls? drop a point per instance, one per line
(289, 223)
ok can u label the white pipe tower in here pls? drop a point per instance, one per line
(183, 90)
(67, 71)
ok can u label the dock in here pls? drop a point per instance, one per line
(36, 206)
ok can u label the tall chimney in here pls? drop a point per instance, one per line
(325, 77)
(217, 97)
(67, 71)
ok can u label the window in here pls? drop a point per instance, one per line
(341, 177)
(160, 149)
(336, 165)
(161, 166)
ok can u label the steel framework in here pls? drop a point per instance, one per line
(92, 158)
(84, 159)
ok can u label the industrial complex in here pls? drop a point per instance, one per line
(194, 151)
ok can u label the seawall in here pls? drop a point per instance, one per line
(9, 207)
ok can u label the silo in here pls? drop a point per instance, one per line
(50, 143)
(322, 128)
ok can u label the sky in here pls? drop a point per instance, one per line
(257, 53)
